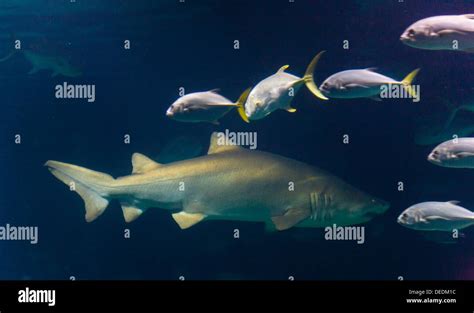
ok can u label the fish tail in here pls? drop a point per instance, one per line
(407, 82)
(241, 103)
(93, 187)
(308, 77)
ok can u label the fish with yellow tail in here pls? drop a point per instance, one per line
(229, 183)
(443, 32)
(364, 83)
(277, 92)
(207, 106)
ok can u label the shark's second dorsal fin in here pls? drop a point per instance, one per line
(142, 164)
(220, 143)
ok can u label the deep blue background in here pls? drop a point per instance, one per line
(191, 45)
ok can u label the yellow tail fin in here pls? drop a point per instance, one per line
(407, 82)
(309, 79)
(241, 102)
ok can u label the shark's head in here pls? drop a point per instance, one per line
(364, 208)
(337, 202)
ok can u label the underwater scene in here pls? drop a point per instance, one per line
(237, 140)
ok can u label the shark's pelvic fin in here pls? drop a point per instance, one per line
(142, 164)
(186, 220)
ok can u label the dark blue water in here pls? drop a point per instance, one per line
(190, 45)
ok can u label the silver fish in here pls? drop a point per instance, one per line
(444, 32)
(458, 153)
(207, 106)
(277, 92)
(230, 183)
(436, 216)
(362, 83)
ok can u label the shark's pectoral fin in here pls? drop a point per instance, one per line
(291, 217)
(142, 164)
(186, 220)
(130, 212)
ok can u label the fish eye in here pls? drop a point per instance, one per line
(411, 32)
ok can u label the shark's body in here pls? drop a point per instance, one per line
(58, 65)
(230, 183)
(39, 62)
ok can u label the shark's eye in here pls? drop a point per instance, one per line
(411, 32)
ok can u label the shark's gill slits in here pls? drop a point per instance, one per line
(320, 207)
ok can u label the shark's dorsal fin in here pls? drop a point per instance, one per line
(142, 164)
(219, 143)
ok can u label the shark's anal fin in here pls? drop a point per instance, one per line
(186, 220)
(291, 217)
(142, 164)
(130, 212)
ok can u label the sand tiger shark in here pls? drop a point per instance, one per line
(229, 183)
(58, 65)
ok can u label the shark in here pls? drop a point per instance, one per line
(58, 65)
(228, 183)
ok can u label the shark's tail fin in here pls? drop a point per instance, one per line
(92, 186)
